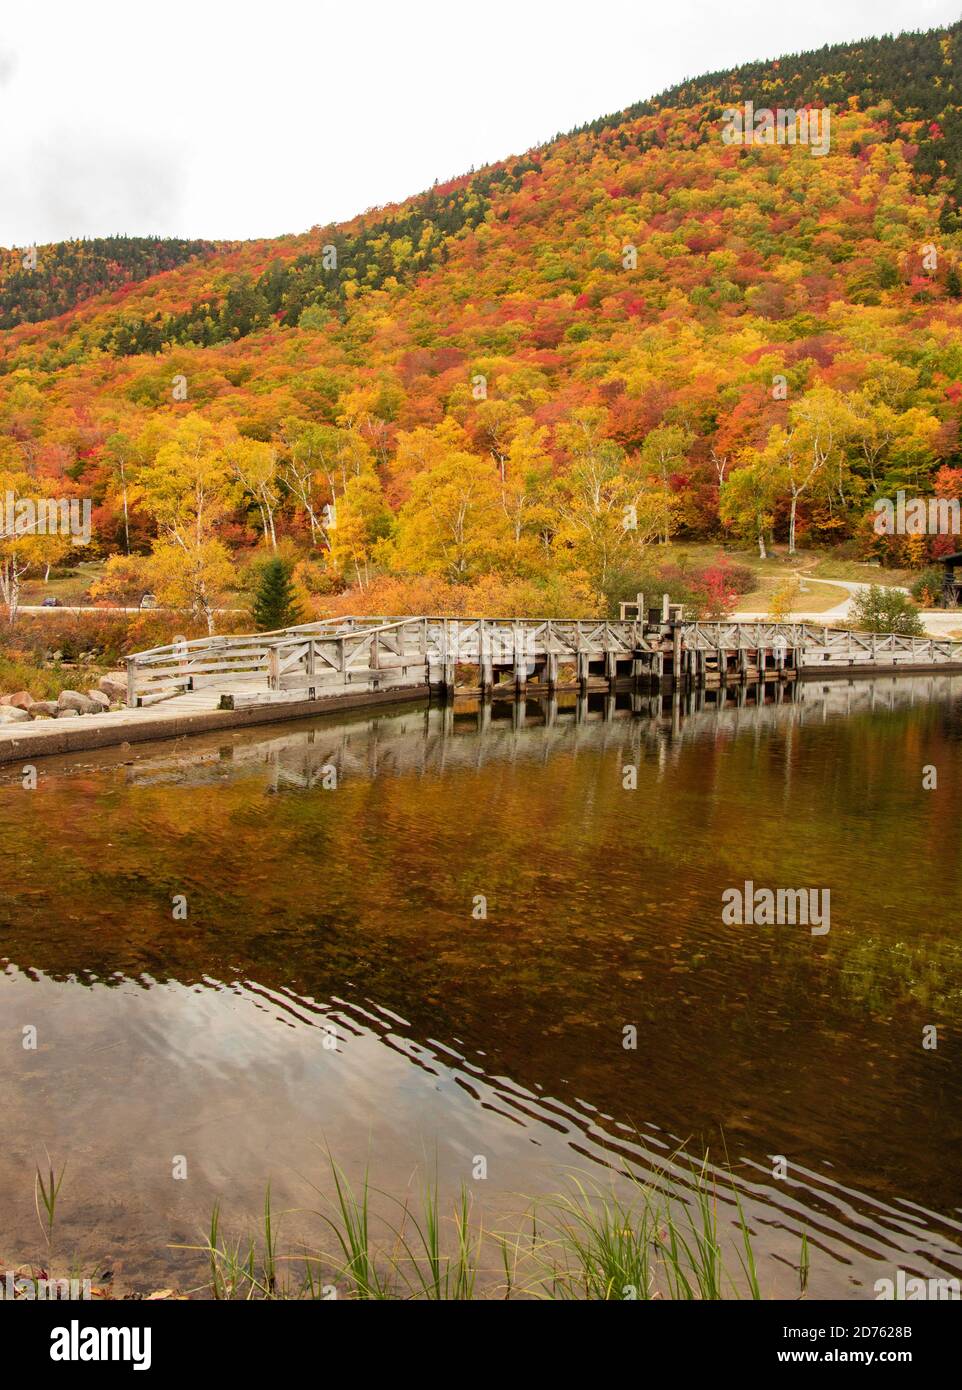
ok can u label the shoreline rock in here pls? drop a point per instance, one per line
(11, 714)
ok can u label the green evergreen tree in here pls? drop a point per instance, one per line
(275, 603)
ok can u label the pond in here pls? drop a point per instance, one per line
(433, 936)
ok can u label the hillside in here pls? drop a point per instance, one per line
(521, 385)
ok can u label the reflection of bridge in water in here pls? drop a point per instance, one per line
(428, 740)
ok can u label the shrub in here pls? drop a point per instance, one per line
(44, 684)
(705, 591)
(886, 610)
(927, 588)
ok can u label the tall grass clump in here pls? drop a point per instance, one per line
(661, 1239)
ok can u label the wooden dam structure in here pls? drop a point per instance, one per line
(654, 648)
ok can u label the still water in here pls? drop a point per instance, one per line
(337, 985)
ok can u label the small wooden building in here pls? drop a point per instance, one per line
(951, 579)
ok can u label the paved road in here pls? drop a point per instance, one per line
(938, 623)
(90, 608)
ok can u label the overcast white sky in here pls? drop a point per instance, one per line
(233, 119)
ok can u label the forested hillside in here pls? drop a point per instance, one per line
(41, 282)
(521, 387)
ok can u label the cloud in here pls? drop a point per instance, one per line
(8, 66)
(68, 183)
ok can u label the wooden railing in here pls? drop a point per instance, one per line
(336, 657)
(163, 671)
(381, 650)
(341, 649)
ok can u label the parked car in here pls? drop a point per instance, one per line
(50, 603)
(148, 601)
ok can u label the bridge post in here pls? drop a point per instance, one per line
(611, 665)
(582, 669)
(485, 662)
(447, 678)
(551, 670)
(520, 659)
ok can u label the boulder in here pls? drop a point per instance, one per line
(71, 699)
(114, 686)
(21, 698)
(10, 714)
(44, 709)
(72, 702)
(98, 697)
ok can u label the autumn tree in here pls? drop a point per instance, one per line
(188, 486)
(25, 543)
(254, 465)
(748, 496)
(362, 522)
(663, 454)
(452, 523)
(608, 509)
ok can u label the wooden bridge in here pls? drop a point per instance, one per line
(656, 649)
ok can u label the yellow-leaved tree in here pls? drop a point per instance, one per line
(609, 510)
(187, 485)
(362, 521)
(23, 546)
(452, 523)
